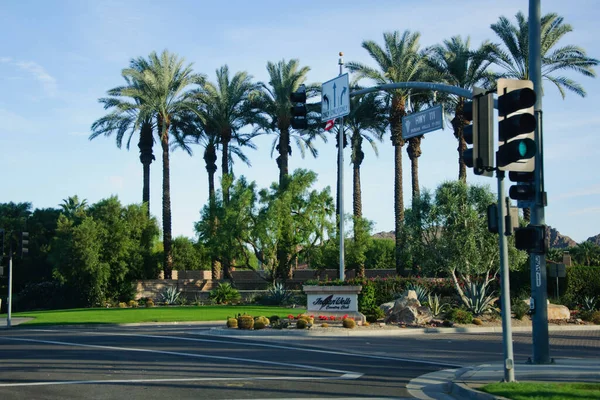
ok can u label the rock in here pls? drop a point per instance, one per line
(386, 307)
(556, 311)
(411, 316)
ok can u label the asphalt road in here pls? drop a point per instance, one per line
(182, 362)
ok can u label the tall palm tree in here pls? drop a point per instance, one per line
(73, 207)
(274, 103)
(228, 110)
(162, 85)
(125, 117)
(367, 121)
(458, 65)
(398, 61)
(514, 57)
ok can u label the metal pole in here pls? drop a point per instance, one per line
(539, 295)
(509, 372)
(341, 180)
(10, 276)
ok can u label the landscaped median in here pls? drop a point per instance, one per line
(152, 314)
(538, 390)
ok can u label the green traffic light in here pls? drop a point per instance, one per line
(522, 149)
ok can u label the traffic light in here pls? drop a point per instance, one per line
(524, 191)
(479, 133)
(23, 243)
(298, 109)
(516, 126)
(531, 238)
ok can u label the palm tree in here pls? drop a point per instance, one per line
(398, 61)
(72, 207)
(227, 111)
(514, 58)
(458, 65)
(124, 118)
(274, 103)
(161, 87)
(367, 121)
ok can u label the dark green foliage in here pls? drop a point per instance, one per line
(380, 254)
(581, 281)
(519, 309)
(188, 256)
(367, 303)
(372, 318)
(460, 316)
(301, 324)
(42, 296)
(277, 295)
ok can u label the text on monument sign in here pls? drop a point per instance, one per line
(332, 302)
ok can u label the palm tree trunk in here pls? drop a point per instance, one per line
(225, 139)
(397, 113)
(210, 157)
(166, 206)
(414, 152)
(458, 124)
(283, 247)
(356, 195)
(282, 160)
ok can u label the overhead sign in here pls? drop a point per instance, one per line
(335, 100)
(422, 122)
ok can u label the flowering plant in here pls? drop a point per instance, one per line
(290, 316)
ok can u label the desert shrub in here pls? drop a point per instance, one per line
(421, 291)
(519, 309)
(280, 324)
(349, 323)
(182, 301)
(595, 317)
(232, 323)
(582, 281)
(371, 318)
(133, 304)
(477, 321)
(245, 322)
(224, 293)
(460, 316)
(274, 318)
(301, 323)
(122, 305)
(149, 303)
(170, 295)
(589, 303)
(479, 299)
(259, 325)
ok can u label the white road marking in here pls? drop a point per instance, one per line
(283, 347)
(159, 380)
(175, 353)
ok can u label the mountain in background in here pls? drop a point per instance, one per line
(594, 239)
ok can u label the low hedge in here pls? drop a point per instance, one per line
(581, 281)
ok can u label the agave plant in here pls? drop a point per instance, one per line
(278, 294)
(436, 305)
(170, 295)
(421, 291)
(589, 303)
(478, 300)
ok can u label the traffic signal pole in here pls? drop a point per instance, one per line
(509, 371)
(341, 181)
(539, 295)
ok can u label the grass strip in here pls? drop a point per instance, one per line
(544, 391)
(152, 314)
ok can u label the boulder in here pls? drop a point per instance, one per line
(411, 316)
(387, 307)
(556, 311)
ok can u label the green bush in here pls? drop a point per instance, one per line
(224, 293)
(122, 305)
(133, 304)
(519, 309)
(149, 303)
(581, 282)
(371, 318)
(274, 318)
(595, 317)
(460, 316)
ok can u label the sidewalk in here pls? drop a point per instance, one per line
(466, 381)
(14, 321)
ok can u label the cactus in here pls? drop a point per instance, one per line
(264, 320)
(349, 323)
(232, 323)
(245, 322)
(259, 325)
(301, 323)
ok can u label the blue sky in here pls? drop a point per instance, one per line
(58, 57)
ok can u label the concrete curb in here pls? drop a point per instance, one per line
(337, 332)
(463, 391)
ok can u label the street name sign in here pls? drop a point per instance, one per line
(422, 122)
(335, 98)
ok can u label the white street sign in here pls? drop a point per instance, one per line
(335, 100)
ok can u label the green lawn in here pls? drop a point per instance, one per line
(545, 391)
(154, 314)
